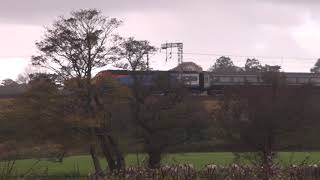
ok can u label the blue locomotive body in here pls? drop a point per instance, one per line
(149, 78)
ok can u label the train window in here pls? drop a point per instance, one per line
(252, 79)
(225, 79)
(292, 80)
(238, 79)
(189, 78)
(315, 80)
(206, 79)
(215, 79)
(303, 80)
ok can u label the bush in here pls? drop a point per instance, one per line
(214, 172)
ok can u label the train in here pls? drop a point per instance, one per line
(204, 81)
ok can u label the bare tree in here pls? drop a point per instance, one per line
(72, 48)
(259, 117)
(134, 54)
(24, 77)
(167, 121)
(159, 115)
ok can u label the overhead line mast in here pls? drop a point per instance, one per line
(179, 46)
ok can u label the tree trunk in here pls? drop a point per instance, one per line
(96, 162)
(120, 162)
(106, 151)
(267, 165)
(268, 158)
(154, 159)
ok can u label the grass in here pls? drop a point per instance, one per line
(83, 164)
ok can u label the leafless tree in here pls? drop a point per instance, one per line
(72, 48)
(159, 116)
(259, 117)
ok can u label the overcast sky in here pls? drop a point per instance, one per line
(284, 32)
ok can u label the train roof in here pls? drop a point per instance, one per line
(157, 71)
(295, 74)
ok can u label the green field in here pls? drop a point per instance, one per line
(84, 164)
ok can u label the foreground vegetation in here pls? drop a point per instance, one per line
(214, 172)
(83, 164)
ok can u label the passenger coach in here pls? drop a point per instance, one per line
(203, 81)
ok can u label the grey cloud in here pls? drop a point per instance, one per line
(38, 11)
(207, 26)
(293, 1)
(35, 11)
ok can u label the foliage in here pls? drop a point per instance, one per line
(165, 122)
(253, 65)
(8, 82)
(214, 172)
(7, 169)
(35, 118)
(316, 68)
(74, 46)
(10, 88)
(134, 54)
(184, 171)
(259, 118)
(159, 116)
(224, 65)
(270, 68)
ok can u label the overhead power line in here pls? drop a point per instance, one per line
(282, 58)
(13, 56)
(251, 56)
